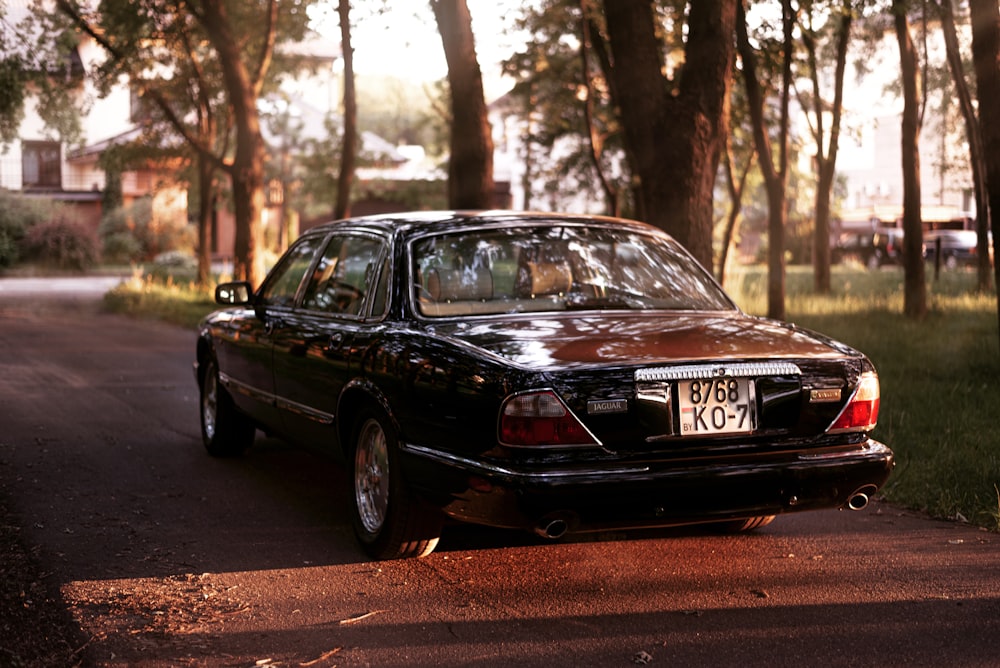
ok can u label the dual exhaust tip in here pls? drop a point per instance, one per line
(555, 525)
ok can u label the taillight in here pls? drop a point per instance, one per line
(861, 412)
(541, 419)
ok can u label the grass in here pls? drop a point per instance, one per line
(940, 377)
(181, 303)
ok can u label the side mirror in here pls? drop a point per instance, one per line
(235, 293)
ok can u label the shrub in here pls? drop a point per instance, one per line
(133, 234)
(17, 216)
(61, 243)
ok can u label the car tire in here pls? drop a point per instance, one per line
(390, 521)
(225, 432)
(744, 525)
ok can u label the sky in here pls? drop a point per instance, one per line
(405, 42)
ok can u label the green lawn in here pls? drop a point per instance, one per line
(940, 377)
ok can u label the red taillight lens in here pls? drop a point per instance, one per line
(541, 419)
(861, 412)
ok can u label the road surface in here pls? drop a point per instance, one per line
(167, 557)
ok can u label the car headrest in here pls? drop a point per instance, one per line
(549, 278)
(459, 284)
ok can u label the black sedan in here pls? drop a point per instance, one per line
(546, 372)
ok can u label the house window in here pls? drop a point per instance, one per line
(41, 165)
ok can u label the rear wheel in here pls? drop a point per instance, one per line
(391, 522)
(224, 430)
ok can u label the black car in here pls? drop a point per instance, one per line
(873, 249)
(545, 372)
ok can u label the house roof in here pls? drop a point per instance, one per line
(93, 151)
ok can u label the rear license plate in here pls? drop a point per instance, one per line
(716, 406)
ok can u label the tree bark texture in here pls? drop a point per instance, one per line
(470, 168)
(973, 136)
(827, 161)
(349, 146)
(674, 141)
(247, 170)
(914, 283)
(986, 61)
(775, 175)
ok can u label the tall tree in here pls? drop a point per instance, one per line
(973, 137)
(571, 134)
(673, 125)
(136, 43)
(243, 82)
(914, 281)
(349, 145)
(985, 16)
(827, 145)
(470, 166)
(737, 162)
(775, 170)
(140, 39)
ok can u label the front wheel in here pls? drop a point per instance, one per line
(224, 431)
(391, 522)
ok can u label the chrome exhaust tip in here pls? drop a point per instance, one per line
(553, 527)
(860, 498)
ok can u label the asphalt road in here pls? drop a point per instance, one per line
(167, 557)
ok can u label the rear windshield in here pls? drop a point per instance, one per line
(557, 268)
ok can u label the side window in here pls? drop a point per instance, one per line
(345, 276)
(283, 282)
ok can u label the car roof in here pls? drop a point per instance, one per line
(420, 222)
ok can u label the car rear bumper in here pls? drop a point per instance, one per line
(645, 494)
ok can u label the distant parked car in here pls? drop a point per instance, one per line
(546, 372)
(958, 247)
(871, 249)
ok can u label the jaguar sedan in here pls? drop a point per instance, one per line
(544, 372)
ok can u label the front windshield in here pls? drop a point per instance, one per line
(557, 268)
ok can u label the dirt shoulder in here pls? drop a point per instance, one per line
(35, 627)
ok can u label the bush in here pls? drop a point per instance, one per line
(17, 216)
(133, 234)
(61, 243)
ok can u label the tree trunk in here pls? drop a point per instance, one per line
(470, 168)
(736, 186)
(673, 141)
(973, 136)
(594, 142)
(775, 176)
(205, 173)
(349, 147)
(914, 283)
(828, 163)
(986, 61)
(247, 170)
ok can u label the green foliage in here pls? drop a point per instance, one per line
(12, 90)
(566, 110)
(61, 243)
(17, 216)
